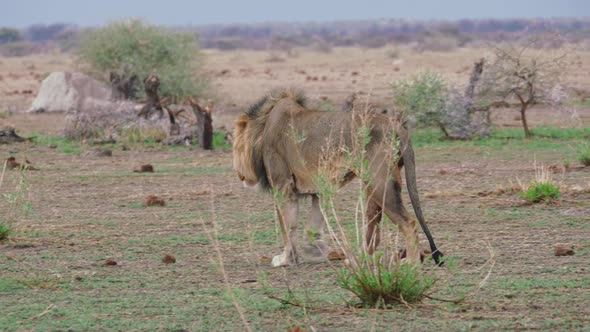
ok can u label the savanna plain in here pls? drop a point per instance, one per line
(77, 211)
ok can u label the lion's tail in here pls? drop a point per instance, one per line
(408, 159)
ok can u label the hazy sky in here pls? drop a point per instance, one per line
(21, 13)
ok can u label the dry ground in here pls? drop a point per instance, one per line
(85, 210)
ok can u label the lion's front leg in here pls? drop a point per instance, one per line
(287, 208)
(314, 230)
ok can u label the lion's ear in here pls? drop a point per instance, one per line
(242, 122)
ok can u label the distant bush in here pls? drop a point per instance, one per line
(229, 43)
(422, 99)
(321, 46)
(20, 48)
(8, 35)
(134, 47)
(437, 43)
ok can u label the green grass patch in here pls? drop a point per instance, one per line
(9, 285)
(583, 155)
(5, 231)
(219, 141)
(60, 143)
(541, 282)
(501, 137)
(378, 283)
(541, 192)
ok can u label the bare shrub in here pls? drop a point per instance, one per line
(523, 76)
(102, 118)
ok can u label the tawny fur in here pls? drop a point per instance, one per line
(280, 144)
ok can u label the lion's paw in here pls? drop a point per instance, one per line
(319, 250)
(280, 260)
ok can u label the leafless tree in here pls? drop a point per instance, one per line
(524, 75)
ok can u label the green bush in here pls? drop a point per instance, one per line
(541, 192)
(584, 154)
(378, 282)
(5, 231)
(219, 141)
(134, 47)
(423, 97)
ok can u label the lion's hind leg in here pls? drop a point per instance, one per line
(374, 214)
(287, 213)
(387, 195)
(314, 230)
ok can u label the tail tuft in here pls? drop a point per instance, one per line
(437, 256)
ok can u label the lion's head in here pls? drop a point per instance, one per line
(248, 158)
(243, 151)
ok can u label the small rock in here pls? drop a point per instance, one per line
(563, 251)
(168, 259)
(147, 168)
(11, 163)
(265, 260)
(110, 262)
(99, 153)
(296, 329)
(336, 255)
(153, 200)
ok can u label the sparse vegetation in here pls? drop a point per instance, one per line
(5, 230)
(134, 47)
(60, 143)
(584, 154)
(19, 204)
(379, 283)
(542, 188)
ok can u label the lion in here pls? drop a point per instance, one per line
(281, 145)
